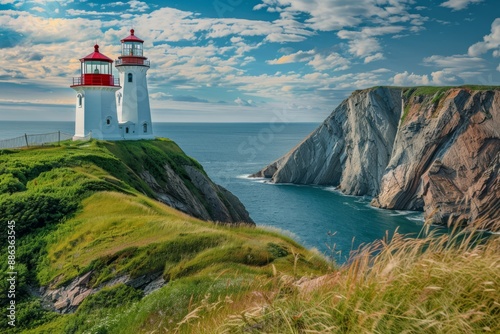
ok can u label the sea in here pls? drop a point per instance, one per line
(317, 217)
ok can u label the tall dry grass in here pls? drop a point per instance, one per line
(437, 284)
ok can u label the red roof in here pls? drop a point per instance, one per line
(132, 38)
(96, 55)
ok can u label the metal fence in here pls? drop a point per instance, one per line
(36, 140)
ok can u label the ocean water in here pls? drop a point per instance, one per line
(317, 217)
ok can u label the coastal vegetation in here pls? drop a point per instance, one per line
(82, 209)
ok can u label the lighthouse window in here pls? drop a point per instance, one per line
(108, 121)
(119, 98)
(80, 100)
(126, 130)
(130, 77)
(145, 127)
(97, 67)
(132, 49)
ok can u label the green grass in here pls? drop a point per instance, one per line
(82, 208)
(221, 279)
(445, 284)
(433, 285)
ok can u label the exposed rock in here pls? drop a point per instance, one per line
(154, 285)
(143, 281)
(350, 149)
(67, 299)
(443, 158)
(208, 202)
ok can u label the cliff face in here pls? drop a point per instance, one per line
(350, 149)
(442, 158)
(446, 158)
(180, 182)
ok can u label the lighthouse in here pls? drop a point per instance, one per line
(134, 113)
(96, 89)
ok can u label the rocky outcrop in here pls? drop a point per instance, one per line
(205, 199)
(446, 158)
(436, 150)
(350, 149)
(66, 299)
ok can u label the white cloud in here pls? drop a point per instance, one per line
(331, 61)
(363, 44)
(490, 42)
(113, 4)
(138, 6)
(38, 9)
(377, 56)
(407, 79)
(284, 38)
(456, 68)
(318, 61)
(300, 56)
(459, 4)
(79, 12)
(382, 70)
(455, 62)
(330, 15)
(445, 78)
(247, 60)
(442, 77)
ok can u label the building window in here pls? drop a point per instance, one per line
(126, 129)
(145, 127)
(108, 120)
(130, 77)
(80, 100)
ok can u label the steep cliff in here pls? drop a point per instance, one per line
(446, 157)
(351, 148)
(443, 156)
(179, 181)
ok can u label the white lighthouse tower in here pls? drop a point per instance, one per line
(95, 98)
(134, 113)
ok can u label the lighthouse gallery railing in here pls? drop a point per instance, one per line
(96, 80)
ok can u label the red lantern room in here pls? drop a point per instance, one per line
(132, 51)
(96, 70)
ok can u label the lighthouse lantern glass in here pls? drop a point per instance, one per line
(132, 49)
(97, 67)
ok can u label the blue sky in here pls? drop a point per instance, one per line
(243, 60)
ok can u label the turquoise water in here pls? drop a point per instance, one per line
(316, 216)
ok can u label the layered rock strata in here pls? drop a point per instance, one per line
(430, 149)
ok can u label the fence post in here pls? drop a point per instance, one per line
(58, 138)
(26, 138)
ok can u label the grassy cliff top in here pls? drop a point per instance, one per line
(431, 90)
(82, 208)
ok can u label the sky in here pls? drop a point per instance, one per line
(245, 60)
